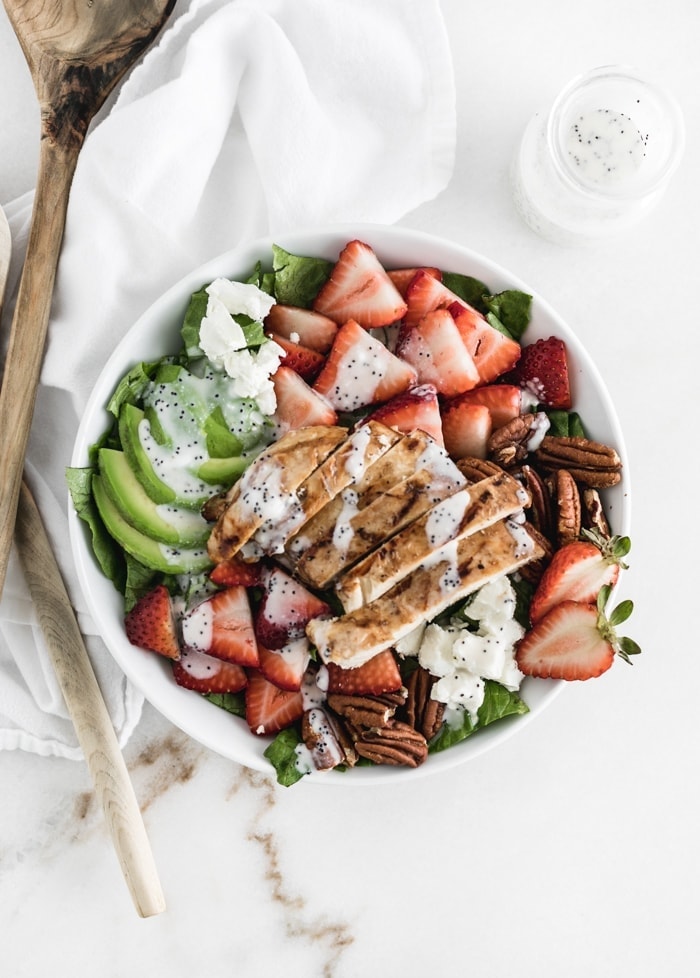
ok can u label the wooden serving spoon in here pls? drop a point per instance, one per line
(77, 51)
(5, 254)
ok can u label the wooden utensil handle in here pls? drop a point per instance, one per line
(28, 331)
(5, 252)
(84, 700)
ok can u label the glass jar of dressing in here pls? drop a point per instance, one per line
(600, 159)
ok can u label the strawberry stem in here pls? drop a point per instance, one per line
(623, 646)
(614, 549)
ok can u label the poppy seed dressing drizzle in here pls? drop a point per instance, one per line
(359, 375)
(343, 531)
(265, 501)
(445, 519)
(182, 406)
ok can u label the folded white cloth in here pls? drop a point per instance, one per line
(246, 119)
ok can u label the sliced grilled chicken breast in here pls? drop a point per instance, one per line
(358, 531)
(449, 575)
(398, 463)
(266, 489)
(460, 515)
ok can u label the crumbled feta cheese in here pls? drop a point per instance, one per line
(409, 644)
(219, 333)
(495, 602)
(435, 652)
(251, 372)
(463, 659)
(241, 297)
(223, 341)
(460, 689)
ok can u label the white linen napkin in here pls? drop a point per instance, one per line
(246, 119)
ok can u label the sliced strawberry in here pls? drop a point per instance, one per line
(269, 709)
(151, 623)
(297, 404)
(379, 675)
(360, 370)
(426, 293)
(572, 641)
(434, 347)
(466, 429)
(222, 626)
(359, 288)
(543, 370)
(234, 571)
(504, 401)
(577, 572)
(301, 359)
(493, 352)
(415, 408)
(207, 674)
(285, 609)
(304, 326)
(285, 667)
(402, 277)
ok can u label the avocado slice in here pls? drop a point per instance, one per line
(221, 441)
(151, 553)
(130, 417)
(164, 523)
(222, 472)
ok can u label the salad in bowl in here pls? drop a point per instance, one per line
(352, 503)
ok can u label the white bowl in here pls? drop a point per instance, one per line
(157, 333)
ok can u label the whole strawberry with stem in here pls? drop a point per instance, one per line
(576, 640)
(578, 571)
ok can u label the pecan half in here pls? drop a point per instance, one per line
(365, 711)
(476, 469)
(397, 743)
(422, 712)
(509, 444)
(592, 514)
(568, 507)
(591, 463)
(345, 739)
(540, 509)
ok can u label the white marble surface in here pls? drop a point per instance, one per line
(571, 849)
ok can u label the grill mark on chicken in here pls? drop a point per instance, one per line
(321, 562)
(292, 459)
(352, 639)
(461, 514)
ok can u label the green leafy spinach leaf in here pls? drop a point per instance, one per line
(281, 753)
(509, 312)
(231, 702)
(297, 278)
(499, 702)
(108, 555)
